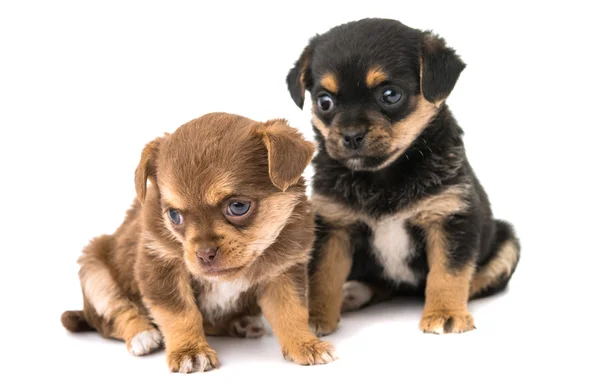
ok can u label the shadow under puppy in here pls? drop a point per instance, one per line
(223, 233)
(400, 210)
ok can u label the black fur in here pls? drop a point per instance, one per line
(435, 161)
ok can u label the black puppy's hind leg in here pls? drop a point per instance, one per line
(496, 271)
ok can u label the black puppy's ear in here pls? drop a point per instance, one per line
(299, 78)
(440, 68)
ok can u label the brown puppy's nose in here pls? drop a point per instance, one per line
(353, 137)
(206, 255)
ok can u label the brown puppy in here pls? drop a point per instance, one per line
(222, 233)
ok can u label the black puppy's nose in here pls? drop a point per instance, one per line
(206, 255)
(353, 137)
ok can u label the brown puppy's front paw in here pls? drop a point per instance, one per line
(322, 326)
(311, 352)
(200, 358)
(247, 327)
(444, 322)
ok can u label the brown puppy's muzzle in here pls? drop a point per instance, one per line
(207, 256)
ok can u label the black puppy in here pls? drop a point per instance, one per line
(400, 209)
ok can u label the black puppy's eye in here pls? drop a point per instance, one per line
(238, 208)
(325, 103)
(175, 216)
(391, 96)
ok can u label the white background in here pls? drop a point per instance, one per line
(83, 86)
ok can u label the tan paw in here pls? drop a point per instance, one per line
(311, 352)
(199, 358)
(247, 327)
(145, 342)
(444, 322)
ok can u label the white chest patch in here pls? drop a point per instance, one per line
(392, 246)
(221, 297)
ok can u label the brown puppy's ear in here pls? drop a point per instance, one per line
(299, 78)
(289, 153)
(146, 169)
(440, 68)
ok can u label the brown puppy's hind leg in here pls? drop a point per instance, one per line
(447, 289)
(106, 308)
(327, 282)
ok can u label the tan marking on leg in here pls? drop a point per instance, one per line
(333, 212)
(375, 76)
(433, 209)
(496, 269)
(447, 291)
(288, 316)
(329, 82)
(326, 283)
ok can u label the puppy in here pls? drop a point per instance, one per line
(223, 233)
(400, 210)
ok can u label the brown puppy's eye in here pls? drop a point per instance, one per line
(175, 216)
(238, 208)
(325, 103)
(391, 96)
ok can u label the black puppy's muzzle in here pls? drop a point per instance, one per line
(353, 138)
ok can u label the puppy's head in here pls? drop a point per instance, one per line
(375, 84)
(224, 187)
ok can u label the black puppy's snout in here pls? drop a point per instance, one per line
(353, 138)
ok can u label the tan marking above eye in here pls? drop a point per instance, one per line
(329, 82)
(375, 76)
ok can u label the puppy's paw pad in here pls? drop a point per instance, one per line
(145, 342)
(356, 295)
(321, 326)
(202, 359)
(444, 322)
(313, 352)
(248, 327)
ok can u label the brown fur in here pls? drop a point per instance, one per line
(147, 274)
(326, 283)
(375, 76)
(329, 82)
(447, 291)
(287, 312)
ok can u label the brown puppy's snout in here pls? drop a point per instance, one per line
(353, 137)
(206, 255)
